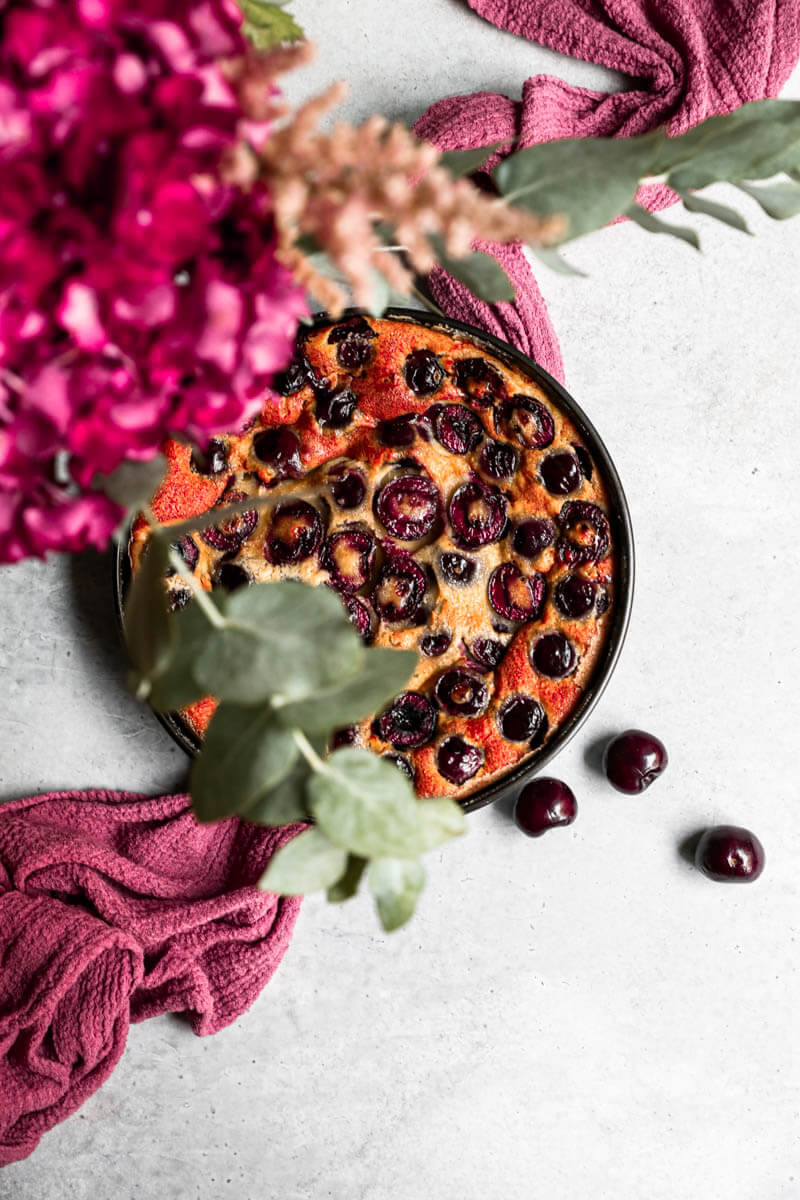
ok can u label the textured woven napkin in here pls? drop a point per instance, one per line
(116, 907)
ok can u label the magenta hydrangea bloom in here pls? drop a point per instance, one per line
(139, 290)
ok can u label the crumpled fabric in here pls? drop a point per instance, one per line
(687, 61)
(115, 907)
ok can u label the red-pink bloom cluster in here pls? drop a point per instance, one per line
(139, 290)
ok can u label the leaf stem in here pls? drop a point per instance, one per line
(204, 601)
(309, 753)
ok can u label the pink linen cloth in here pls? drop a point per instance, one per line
(687, 59)
(115, 907)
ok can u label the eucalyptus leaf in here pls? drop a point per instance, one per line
(440, 819)
(396, 885)
(712, 208)
(755, 141)
(346, 887)
(478, 271)
(148, 629)
(285, 803)
(268, 25)
(653, 224)
(383, 674)
(177, 686)
(132, 484)
(308, 863)
(553, 260)
(381, 293)
(466, 162)
(245, 754)
(779, 200)
(365, 805)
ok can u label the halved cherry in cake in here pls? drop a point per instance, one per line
(498, 460)
(477, 515)
(295, 533)
(574, 596)
(455, 427)
(229, 535)
(521, 718)
(457, 760)
(349, 556)
(532, 536)
(334, 408)
(457, 569)
(296, 376)
(347, 485)
(231, 576)
(584, 459)
(554, 656)
(211, 462)
(408, 722)
(527, 421)
(585, 534)
(461, 693)
(423, 372)
(279, 448)
(189, 551)
(177, 598)
(408, 507)
(485, 654)
(353, 339)
(403, 765)
(399, 432)
(361, 616)
(401, 587)
(481, 382)
(435, 644)
(561, 473)
(514, 595)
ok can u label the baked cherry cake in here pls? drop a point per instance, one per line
(449, 501)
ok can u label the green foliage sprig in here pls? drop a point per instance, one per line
(267, 24)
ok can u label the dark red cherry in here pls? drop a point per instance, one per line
(177, 598)
(189, 551)
(633, 760)
(526, 421)
(279, 448)
(408, 722)
(398, 432)
(229, 535)
(400, 589)
(461, 693)
(532, 536)
(434, 644)
(481, 382)
(582, 455)
(408, 507)
(514, 595)
(544, 804)
(477, 515)
(730, 854)
(349, 556)
(352, 327)
(423, 372)
(561, 473)
(231, 576)
(554, 656)
(485, 654)
(520, 719)
(346, 736)
(296, 375)
(455, 427)
(354, 349)
(498, 460)
(584, 533)
(361, 617)
(213, 461)
(295, 533)
(403, 765)
(574, 596)
(458, 761)
(334, 409)
(347, 487)
(457, 569)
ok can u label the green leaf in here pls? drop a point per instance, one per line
(711, 208)
(653, 224)
(307, 863)
(383, 674)
(396, 885)
(285, 803)
(466, 162)
(365, 805)
(440, 819)
(245, 754)
(553, 260)
(176, 686)
(283, 638)
(267, 25)
(380, 299)
(755, 141)
(132, 484)
(346, 887)
(148, 629)
(480, 272)
(779, 200)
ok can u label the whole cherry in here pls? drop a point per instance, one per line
(729, 854)
(544, 804)
(633, 760)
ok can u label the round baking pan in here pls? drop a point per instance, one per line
(622, 535)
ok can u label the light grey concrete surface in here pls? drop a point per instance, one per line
(581, 1017)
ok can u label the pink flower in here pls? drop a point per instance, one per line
(140, 294)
